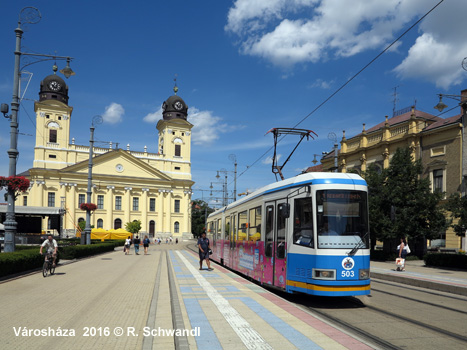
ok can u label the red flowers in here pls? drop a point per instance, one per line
(88, 206)
(15, 183)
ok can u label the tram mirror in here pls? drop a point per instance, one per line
(285, 210)
(308, 189)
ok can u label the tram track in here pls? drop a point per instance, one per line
(341, 312)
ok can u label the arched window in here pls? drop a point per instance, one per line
(176, 227)
(100, 223)
(117, 224)
(152, 227)
(80, 219)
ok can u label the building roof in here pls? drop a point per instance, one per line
(405, 117)
(443, 122)
(315, 169)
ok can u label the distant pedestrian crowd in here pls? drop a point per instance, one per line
(136, 242)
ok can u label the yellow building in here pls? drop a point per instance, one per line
(436, 141)
(126, 185)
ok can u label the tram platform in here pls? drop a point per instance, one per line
(234, 313)
(417, 274)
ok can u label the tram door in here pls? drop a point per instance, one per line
(275, 243)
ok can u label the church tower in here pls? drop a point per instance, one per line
(175, 135)
(53, 117)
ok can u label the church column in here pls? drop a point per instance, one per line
(144, 210)
(168, 210)
(40, 185)
(127, 205)
(187, 214)
(161, 212)
(72, 203)
(109, 219)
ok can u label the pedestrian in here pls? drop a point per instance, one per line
(137, 242)
(146, 244)
(176, 240)
(204, 249)
(402, 249)
(171, 240)
(127, 245)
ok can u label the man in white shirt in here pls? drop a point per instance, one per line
(51, 246)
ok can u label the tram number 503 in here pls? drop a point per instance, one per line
(348, 274)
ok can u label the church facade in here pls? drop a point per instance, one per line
(154, 188)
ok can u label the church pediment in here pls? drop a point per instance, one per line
(118, 163)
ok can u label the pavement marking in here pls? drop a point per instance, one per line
(288, 332)
(209, 339)
(244, 330)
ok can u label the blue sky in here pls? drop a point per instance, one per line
(243, 67)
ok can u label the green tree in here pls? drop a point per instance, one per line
(199, 211)
(82, 225)
(457, 208)
(134, 226)
(402, 204)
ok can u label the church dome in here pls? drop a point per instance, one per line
(53, 88)
(174, 107)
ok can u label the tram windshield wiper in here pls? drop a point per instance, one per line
(359, 245)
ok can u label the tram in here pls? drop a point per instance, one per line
(307, 234)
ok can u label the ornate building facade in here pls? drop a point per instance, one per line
(126, 185)
(439, 143)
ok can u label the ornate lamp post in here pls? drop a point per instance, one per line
(29, 15)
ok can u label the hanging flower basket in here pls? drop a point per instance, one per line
(88, 206)
(15, 183)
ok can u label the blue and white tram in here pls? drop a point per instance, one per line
(307, 234)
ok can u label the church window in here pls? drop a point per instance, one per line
(47, 116)
(178, 150)
(100, 223)
(176, 227)
(118, 203)
(53, 136)
(117, 224)
(59, 118)
(81, 199)
(100, 201)
(51, 199)
(152, 204)
(135, 203)
(177, 168)
(52, 156)
(177, 206)
(25, 201)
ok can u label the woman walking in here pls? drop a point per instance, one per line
(146, 244)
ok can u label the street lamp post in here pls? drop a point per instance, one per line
(29, 15)
(87, 229)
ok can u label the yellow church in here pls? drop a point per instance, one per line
(126, 185)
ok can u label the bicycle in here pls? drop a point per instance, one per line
(48, 265)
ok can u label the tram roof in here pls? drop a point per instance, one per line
(297, 181)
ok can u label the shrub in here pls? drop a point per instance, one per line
(19, 261)
(446, 260)
(79, 251)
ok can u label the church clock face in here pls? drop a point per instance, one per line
(178, 105)
(54, 85)
(119, 168)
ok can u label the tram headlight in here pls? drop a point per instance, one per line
(364, 274)
(324, 274)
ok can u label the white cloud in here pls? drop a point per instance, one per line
(268, 159)
(153, 117)
(208, 127)
(322, 84)
(289, 32)
(113, 113)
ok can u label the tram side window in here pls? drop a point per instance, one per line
(226, 227)
(219, 229)
(242, 226)
(303, 222)
(254, 229)
(269, 230)
(280, 252)
(233, 231)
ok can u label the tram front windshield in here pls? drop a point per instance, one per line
(342, 218)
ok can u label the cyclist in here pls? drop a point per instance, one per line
(51, 247)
